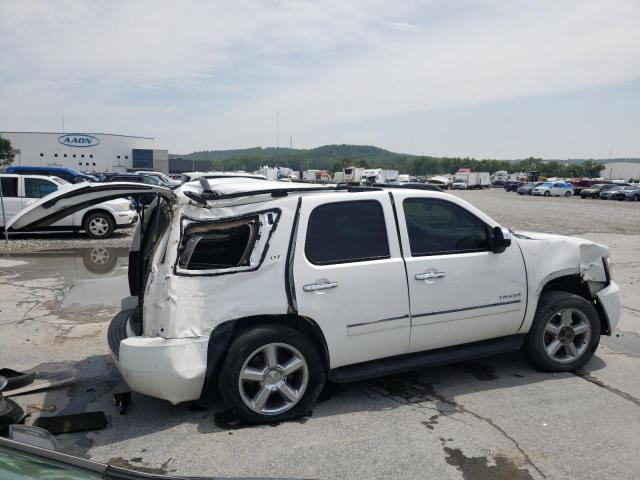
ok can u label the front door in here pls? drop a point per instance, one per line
(460, 291)
(349, 276)
(11, 200)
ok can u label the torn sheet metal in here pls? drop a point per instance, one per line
(550, 256)
(180, 303)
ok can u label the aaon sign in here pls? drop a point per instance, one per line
(78, 140)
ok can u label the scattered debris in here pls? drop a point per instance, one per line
(40, 407)
(122, 401)
(79, 422)
(38, 385)
(16, 379)
(10, 411)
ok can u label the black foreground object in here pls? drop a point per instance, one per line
(79, 422)
(16, 379)
(10, 411)
(122, 401)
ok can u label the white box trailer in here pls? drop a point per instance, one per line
(309, 175)
(353, 175)
(474, 180)
(338, 177)
(378, 175)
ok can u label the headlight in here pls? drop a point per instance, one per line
(124, 207)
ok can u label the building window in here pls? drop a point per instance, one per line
(87, 164)
(82, 155)
(42, 154)
(65, 155)
(74, 155)
(94, 164)
(90, 156)
(55, 154)
(118, 156)
(126, 157)
(80, 163)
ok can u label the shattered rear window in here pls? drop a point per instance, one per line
(233, 245)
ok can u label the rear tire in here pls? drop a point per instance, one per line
(272, 373)
(635, 198)
(565, 332)
(99, 225)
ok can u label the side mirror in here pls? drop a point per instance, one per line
(500, 239)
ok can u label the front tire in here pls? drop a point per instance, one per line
(547, 193)
(568, 194)
(272, 373)
(99, 225)
(565, 332)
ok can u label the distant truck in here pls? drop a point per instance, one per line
(338, 177)
(353, 175)
(473, 180)
(374, 176)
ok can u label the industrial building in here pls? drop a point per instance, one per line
(87, 152)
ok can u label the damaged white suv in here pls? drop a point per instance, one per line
(263, 291)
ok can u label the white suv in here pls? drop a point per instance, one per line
(97, 221)
(264, 291)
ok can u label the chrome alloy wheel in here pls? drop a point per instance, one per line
(567, 335)
(273, 379)
(98, 226)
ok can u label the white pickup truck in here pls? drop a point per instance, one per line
(97, 221)
(261, 292)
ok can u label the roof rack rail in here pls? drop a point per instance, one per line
(412, 185)
(283, 192)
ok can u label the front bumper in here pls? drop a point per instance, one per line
(172, 369)
(609, 299)
(126, 219)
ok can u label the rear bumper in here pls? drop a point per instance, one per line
(609, 298)
(172, 369)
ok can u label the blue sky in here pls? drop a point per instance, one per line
(488, 79)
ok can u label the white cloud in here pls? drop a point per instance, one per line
(210, 74)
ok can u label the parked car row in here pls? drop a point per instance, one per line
(603, 191)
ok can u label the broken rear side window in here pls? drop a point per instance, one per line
(208, 246)
(225, 246)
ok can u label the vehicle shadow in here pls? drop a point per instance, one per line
(437, 389)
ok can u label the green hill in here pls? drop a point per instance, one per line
(336, 157)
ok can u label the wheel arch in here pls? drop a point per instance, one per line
(573, 283)
(98, 210)
(222, 336)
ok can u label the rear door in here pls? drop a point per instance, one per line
(349, 275)
(68, 199)
(460, 291)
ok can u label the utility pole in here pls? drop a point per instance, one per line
(62, 123)
(277, 128)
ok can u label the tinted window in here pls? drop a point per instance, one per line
(38, 187)
(437, 227)
(344, 232)
(10, 186)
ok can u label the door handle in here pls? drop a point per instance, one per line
(314, 287)
(429, 275)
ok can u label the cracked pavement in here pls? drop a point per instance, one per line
(496, 418)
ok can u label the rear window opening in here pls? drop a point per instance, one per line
(219, 245)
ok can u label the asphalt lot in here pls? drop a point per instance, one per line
(496, 418)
